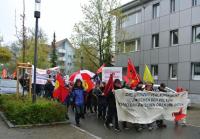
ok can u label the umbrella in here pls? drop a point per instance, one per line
(85, 76)
(82, 75)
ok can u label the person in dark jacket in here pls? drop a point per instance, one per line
(78, 95)
(139, 87)
(160, 123)
(149, 88)
(112, 110)
(48, 88)
(101, 100)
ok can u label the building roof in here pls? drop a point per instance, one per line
(131, 5)
(58, 43)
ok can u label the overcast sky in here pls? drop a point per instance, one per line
(56, 15)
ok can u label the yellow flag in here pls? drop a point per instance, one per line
(147, 75)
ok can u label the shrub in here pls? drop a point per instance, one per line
(23, 111)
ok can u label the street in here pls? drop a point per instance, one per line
(92, 128)
(96, 127)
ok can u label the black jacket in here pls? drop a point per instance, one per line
(111, 98)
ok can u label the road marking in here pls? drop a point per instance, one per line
(84, 131)
(193, 125)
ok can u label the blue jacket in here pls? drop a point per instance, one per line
(78, 95)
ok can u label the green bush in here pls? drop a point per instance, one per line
(23, 111)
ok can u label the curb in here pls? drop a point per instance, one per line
(10, 125)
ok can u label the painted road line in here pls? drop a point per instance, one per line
(84, 131)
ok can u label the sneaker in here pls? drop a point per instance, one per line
(82, 117)
(139, 129)
(117, 129)
(176, 123)
(78, 125)
(150, 128)
(183, 124)
(126, 128)
(111, 125)
(162, 126)
(106, 126)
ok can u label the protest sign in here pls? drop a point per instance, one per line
(117, 73)
(146, 107)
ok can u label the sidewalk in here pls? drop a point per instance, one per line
(193, 115)
(50, 132)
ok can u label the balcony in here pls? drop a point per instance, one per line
(61, 58)
(63, 51)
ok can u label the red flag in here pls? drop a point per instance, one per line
(60, 92)
(100, 69)
(179, 115)
(14, 75)
(4, 73)
(88, 85)
(109, 85)
(132, 74)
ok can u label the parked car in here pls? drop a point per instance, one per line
(8, 86)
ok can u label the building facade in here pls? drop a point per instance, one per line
(165, 35)
(66, 56)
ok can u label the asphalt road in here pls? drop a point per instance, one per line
(96, 127)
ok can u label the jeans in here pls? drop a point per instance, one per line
(102, 110)
(112, 113)
(79, 113)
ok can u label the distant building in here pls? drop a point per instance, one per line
(66, 56)
(165, 35)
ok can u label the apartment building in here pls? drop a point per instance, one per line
(165, 35)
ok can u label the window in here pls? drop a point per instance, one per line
(154, 71)
(156, 10)
(195, 2)
(174, 37)
(132, 46)
(173, 71)
(174, 5)
(196, 33)
(131, 19)
(155, 40)
(129, 46)
(121, 47)
(196, 71)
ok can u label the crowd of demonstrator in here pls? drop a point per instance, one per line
(104, 106)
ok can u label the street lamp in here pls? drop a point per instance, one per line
(37, 16)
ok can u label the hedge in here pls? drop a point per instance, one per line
(22, 111)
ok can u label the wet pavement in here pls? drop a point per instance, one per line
(96, 127)
(49, 132)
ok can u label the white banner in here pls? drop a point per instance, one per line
(146, 107)
(117, 73)
(42, 75)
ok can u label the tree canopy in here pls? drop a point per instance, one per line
(42, 53)
(5, 55)
(95, 31)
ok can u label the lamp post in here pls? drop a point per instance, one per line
(37, 16)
